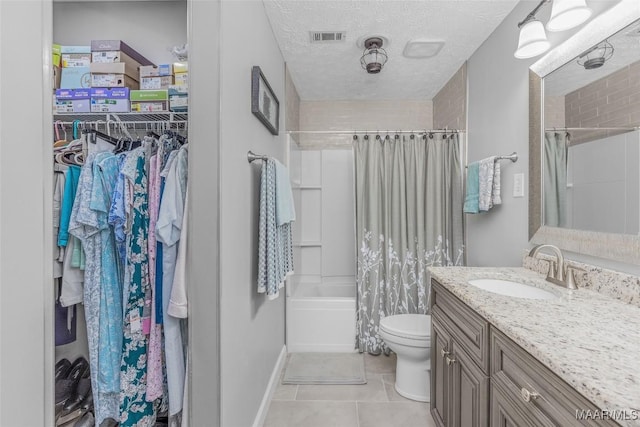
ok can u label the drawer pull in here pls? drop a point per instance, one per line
(444, 352)
(450, 361)
(527, 395)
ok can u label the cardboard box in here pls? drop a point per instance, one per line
(76, 60)
(178, 98)
(156, 82)
(180, 67)
(181, 79)
(56, 77)
(75, 49)
(156, 71)
(111, 75)
(56, 52)
(104, 100)
(72, 101)
(119, 45)
(114, 56)
(149, 101)
(75, 78)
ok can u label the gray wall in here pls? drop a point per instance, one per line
(252, 328)
(75, 24)
(499, 124)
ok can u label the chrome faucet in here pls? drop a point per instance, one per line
(557, 274)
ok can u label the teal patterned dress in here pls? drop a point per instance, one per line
(135, 411)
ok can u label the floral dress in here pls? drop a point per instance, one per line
(134, 409)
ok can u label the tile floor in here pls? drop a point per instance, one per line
(375, 404)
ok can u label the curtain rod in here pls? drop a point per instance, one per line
(352, 132)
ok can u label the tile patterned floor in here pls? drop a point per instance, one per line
(375, 404)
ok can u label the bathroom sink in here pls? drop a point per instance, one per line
(512, 289)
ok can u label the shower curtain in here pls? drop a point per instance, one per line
(408, 217)
(556, 147)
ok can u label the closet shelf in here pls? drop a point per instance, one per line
(125, 117)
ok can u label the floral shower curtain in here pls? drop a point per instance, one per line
(408, 217)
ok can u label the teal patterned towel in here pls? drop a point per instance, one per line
(275, 249)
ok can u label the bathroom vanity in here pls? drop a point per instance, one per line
(507, 361)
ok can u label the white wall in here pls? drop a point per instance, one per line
(76, 24)
(498, 123)
(252, 327)
(603, 184)
(26, 291)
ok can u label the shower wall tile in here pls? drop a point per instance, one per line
(611, 101)
(554, 111)
(450, 104)
(292, 103)
(372, 116)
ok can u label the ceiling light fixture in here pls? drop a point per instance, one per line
(374, 56)
(565, 14)
(596, 56)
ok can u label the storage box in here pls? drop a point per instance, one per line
(156, 82)
(56, 77)
(149, 101)
(104, 100)
(119, 45)
(178, 98)
(131, 65)
(75, 78)
(156, 71)
(72, 101)
(76, 60)
(75, 49)
(56, 52)
(111, 75)
(181, 79)
(180, 67)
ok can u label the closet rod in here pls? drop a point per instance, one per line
(630, 128)
(353, 132)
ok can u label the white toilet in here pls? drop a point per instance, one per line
(409, 336)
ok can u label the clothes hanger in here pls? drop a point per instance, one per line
(60, 142)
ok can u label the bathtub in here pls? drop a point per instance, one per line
(321, 316)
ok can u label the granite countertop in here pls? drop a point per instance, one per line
(590, 340)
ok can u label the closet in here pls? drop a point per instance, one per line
(119, 202)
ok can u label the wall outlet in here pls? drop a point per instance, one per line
(518, 185)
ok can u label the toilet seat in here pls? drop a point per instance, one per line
(409, 326)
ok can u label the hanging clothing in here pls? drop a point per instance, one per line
(408, 217)
(135, 411)
(84, 224)
(168, 232)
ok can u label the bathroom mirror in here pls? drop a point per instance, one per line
(585, 141)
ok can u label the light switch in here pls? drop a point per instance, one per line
(518, 185)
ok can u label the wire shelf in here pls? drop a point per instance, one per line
(125, 117)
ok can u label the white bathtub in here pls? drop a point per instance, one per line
(321, 317)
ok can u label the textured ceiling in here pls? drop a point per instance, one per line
(572, 76)
(332, 71)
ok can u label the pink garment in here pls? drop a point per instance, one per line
(155, 377)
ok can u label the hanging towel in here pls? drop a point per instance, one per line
(285, 210)
(489, 187)
(472, 197)
(275, 249)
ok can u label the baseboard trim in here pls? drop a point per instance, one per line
(321, 348)
(271, 388)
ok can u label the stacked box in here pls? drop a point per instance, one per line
(104, 100)
(75, 78)
(116, 64)
(56, 51)
(178, 98)
(149, 101)
(181, 73)
(72, 101)
(75, 56)
(107, 75)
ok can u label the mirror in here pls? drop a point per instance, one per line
(585, 141)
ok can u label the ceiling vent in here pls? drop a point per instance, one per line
(327, 36)
(422, 48)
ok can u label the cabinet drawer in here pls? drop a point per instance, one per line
(469, 330)
(507, 412)
(513, 369)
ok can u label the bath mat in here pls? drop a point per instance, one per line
(325, 368)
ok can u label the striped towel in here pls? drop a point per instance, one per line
(275, 249)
